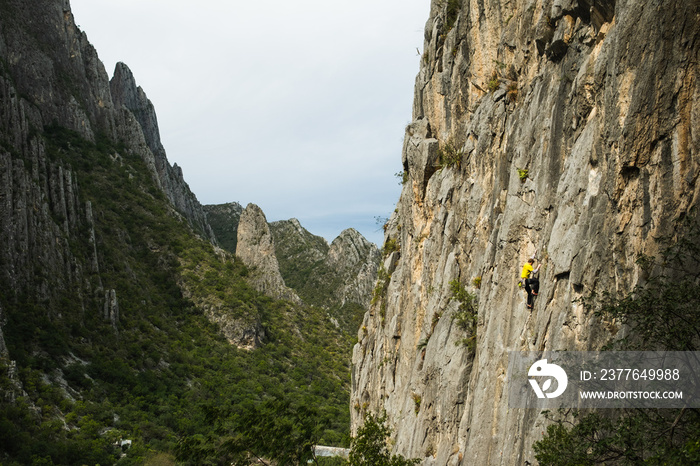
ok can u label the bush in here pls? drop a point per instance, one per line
(449, 155)
(369, 448)
(522, 174)
(466, 315)
(452, 8)
(493, 82)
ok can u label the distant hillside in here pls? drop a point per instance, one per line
(338, 277)
(223, 219)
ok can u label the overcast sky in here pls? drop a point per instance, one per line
(297, 106)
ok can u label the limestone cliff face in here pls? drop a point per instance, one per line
(567, 126)
(256, 249)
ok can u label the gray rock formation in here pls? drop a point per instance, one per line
(51, 78)
(356, 261)
(49, 74)
(62, 78)
(126, 93)
(64, 83)
(256, 248)
(562, 126)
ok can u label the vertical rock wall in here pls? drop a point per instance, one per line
(256, 248)
(566, 126)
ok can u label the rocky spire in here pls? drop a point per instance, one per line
(126, 94)
(256, 248)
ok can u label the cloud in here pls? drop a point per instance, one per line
(296, 106)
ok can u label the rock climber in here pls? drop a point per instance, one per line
(529, 281)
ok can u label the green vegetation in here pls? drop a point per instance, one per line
(223, 219)
(416, 401)
(370, 448)
(661, 314)
(379, 292)
(304, 268)
(466, 315)
(476, 281)
(390, 245)
(512, 92)
(449, 155)
(493, 82)
(652, 436)
(163, 376)
(522, 174)
(452, 8)
(402, 176)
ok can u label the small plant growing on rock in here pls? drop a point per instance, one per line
(391, 245)
(452, 8)
(449, 155)
(477, 282)
(402, 176)
(379, 293)
(493, 82)
(522, 174)
(512, 92)
(466, 315)
(417, 400)
(436, 319)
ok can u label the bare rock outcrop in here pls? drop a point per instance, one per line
(562, 126)
(256, 248)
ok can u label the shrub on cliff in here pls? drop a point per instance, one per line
(369, 448)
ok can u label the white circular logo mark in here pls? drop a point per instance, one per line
(542, 369)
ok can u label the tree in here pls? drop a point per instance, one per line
(369, 448)
(272, 432)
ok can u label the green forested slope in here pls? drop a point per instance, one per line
(162, 375)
